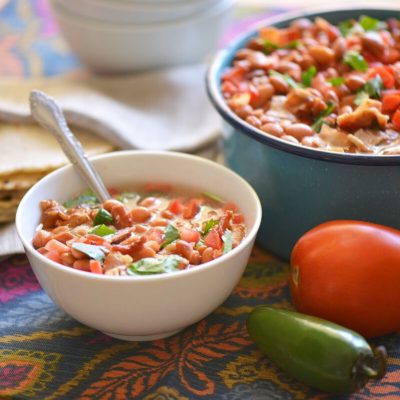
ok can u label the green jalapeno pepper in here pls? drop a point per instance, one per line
(318, 353)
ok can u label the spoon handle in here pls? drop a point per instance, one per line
(48, 114)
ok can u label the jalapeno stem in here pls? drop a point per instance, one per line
(381, 355)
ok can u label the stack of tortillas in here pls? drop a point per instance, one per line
(27, 153)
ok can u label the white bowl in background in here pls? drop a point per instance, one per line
(122, 48)
(131, 12)
(142, 307)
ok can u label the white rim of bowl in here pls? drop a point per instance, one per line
(148, 278)
(77, 19)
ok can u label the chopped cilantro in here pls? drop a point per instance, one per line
(87, 197)
(371, 24)
(336, 81)
(307, 76)
(317, 125)
(153, 265)
(355, 60)
(227, 239)
(211, 223)
(95, 252)
(170, 235)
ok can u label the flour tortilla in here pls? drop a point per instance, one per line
(28, 152)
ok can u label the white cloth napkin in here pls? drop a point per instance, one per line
(164, 110)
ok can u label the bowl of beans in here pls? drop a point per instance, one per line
(311, 110)
(163, 252)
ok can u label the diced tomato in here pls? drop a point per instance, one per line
(157, 187)
(396, 119)
(234, 75)
(369, 58)
(175, 206)
(191, 208)
(189, 235)
(55, 246)
(390, 103)
(213, 239)
(54, 256)
(238, 218)
(113, 191)
(94, 239)
(391, 56)
(274, 35)
(95, 267)
(228, 88)
(155, 234)
(240, 99)
(42, 250)
(386, 73)
(230, 207)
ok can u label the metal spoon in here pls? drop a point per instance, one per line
(49, 115)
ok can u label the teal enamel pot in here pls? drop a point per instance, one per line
(301, 187)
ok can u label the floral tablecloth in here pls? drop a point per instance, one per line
(44, 354)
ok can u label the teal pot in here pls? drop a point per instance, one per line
(301, 187)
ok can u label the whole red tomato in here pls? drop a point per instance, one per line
(348, 272)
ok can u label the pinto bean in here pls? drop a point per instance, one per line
(153, 244)
(373, 43)
(279, 84)
(140, 214)
(290, 139)
(207, 255)
(252, 120)
(82, 264)
(339, 47)
(273, 129)
(354, 82)
(322, 54)
(41, 238)
(67, 258)
(299, 130)
(184, 249)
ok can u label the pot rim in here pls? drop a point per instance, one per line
(213, 90)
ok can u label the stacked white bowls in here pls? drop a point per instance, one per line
(119, 36)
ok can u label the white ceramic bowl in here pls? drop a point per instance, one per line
(131, 12)
(122, 48)
(148, 307)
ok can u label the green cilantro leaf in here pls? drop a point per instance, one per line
(211, 223)
(374, 87)
(87, 197)
(227, 239)
(336, 81)
(102, 230)
(360, 97)
(307, 76)
(269, 46)
(153, 265)
(95, 252)
(102, 217)
(345, 27)
(287, 78)
(317, 125)
(170, 235)
(371, 24)
(355, 60)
